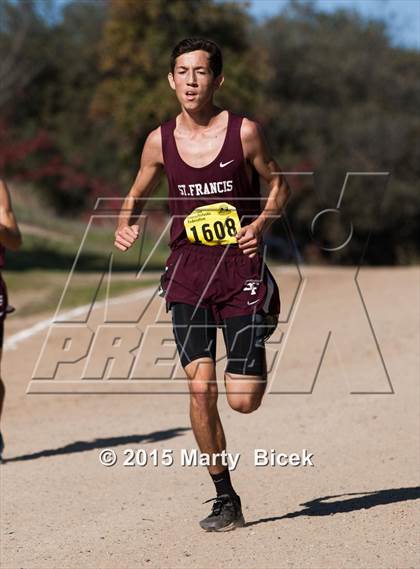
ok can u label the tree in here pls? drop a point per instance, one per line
(342, 99)
(133, 95)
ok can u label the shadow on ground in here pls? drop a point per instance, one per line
(363, 501)
(82, 446)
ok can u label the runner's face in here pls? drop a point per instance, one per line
(193, 80)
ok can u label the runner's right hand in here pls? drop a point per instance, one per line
(126, 236)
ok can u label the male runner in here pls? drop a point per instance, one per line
(10, 238)
(215, 276)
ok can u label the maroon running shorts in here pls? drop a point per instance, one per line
(221, 278)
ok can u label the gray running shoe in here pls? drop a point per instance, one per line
(226, 514)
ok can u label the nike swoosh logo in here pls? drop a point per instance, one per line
(226, 163)
(253, 302)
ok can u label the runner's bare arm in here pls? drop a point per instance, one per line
(10, 235)
(148, 176)
(257, 153)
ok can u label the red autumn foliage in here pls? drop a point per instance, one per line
(37, 159)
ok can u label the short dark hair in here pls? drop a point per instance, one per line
(193, 44)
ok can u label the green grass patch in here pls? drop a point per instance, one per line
(40, 291)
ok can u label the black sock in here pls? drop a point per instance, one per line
(223, 484)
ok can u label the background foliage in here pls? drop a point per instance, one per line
(79, 91)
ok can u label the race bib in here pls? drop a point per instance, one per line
(213, 224)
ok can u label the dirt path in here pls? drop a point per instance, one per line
(356, 508)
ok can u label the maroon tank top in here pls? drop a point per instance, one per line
(223, 180)
(2, 256)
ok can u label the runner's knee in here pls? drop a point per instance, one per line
(244, 404)
(203, 393)
(245, 393)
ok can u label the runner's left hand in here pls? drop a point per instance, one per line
(248, 238)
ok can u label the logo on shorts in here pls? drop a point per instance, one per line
(251, 286)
